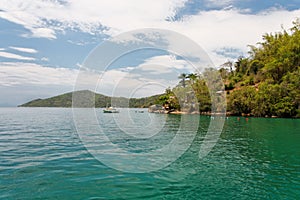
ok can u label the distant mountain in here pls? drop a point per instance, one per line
(84, 99)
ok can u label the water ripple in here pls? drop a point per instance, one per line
(43, 158)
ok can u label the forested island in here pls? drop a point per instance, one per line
(100, 101)
(264, 84)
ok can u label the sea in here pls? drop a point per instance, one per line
(65, 153)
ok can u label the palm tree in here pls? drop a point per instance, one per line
(183, 76)
(192, 77)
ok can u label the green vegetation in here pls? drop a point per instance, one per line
(168, 100)
(267, 83)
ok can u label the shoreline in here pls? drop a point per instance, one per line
(177, 112)
(227, 114)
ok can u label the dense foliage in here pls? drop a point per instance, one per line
(267, 83)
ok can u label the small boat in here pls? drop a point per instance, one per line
(111, 110)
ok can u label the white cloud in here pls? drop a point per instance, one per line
(42, 32)
(165, 64)
(114, 82)
(22, 82)
(23, 49)
(151, 77)
(19, 73)
(15, 56)
(43, 18)
(45, 59)
(213, 30)
(79, 43)
(221, 29)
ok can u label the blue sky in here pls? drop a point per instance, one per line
(44, 43)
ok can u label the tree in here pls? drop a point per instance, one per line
(192, 77)
(183, 77)
(169, 100)
(241, 101)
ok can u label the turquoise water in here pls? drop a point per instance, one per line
(42, 157)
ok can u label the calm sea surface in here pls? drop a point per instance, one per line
(42, 157)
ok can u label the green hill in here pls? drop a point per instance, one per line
(84, 100)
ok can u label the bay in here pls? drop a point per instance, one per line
(42, 157)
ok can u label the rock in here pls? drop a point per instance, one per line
(156, 109)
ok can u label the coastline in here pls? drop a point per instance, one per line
(177, 112)
(227, 114)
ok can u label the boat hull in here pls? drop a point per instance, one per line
(110, 110)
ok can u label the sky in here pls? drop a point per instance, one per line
(44, 44)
